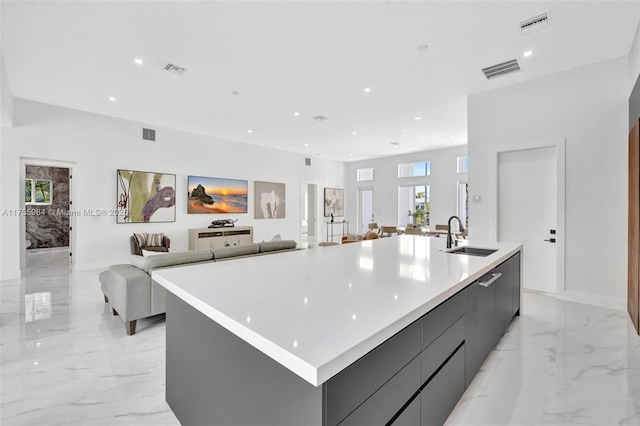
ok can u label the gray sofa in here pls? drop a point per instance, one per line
(133, 295)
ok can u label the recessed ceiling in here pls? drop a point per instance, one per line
(253, 65)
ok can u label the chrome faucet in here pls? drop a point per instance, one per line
(449, 239)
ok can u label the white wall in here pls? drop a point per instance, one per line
(6, 97)
(588, 107)
(634, 60)
(100, 145)
(443, 185)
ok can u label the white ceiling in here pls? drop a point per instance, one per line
(313, 57)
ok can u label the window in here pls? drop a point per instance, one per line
(422, 168)
(463, 203)
(38, 191)
(365, 174)
(463, 164)
(414, 205)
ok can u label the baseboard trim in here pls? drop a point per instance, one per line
(592, 299)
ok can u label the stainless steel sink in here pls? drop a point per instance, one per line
(472, 251)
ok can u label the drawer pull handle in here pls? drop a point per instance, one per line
(491, 281)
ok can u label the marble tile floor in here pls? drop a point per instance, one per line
(66, 360)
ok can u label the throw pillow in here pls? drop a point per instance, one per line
(146, 239)
(140, 238)
(153, 240)
(147, 253)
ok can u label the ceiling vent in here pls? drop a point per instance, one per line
(501, 69)
(307, 161)
(320, 118)
(534, 24)
(149, 135)
(174, 69)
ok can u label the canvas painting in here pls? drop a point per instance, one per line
(333, 202)
(269, 200)
(146, 197)
(217, 195)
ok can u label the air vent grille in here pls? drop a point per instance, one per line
(149, 135)
(319, 118)
(174, 69)
(501, 69)
(307, 161)
(534, 24)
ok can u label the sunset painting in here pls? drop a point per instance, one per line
(216, 195)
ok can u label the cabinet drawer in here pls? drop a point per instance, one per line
(441, 395)
(437, 352)
(351, 387)
(437, 321)
(389, 399)
(410, 416)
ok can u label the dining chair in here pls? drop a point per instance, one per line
(388, 230)
(414, 231)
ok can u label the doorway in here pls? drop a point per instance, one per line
(531, 211)
(308, 222)
(46, 237)
(414, 205)
(365, 207)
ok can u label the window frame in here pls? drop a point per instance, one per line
(32, 192)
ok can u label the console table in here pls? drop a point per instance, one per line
(214, 238)
(342, 228)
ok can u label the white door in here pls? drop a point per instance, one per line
(528, 212)
(366, 209)
(308, 217)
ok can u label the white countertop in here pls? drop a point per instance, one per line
(317, 311)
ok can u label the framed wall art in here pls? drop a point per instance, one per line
(146, 197)
(216, 195)
(269, 200)
(333, 202)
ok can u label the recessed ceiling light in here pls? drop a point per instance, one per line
(350, 155)
(138, 61)
(367, 89)
(249, 131)
(112, 99)
(296, 114)
(417, 118)
(423, 48)
(354, 133)
(402, 135)
(453, 137)
(395, 145)
(527, 53)
(306, 144)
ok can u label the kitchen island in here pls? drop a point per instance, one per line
(382, 331)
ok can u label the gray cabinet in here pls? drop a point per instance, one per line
(347, 390)
(517, 290)
(492, 301)
(418, 376)
(441, 394)
(410, 416)
(376, 389)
